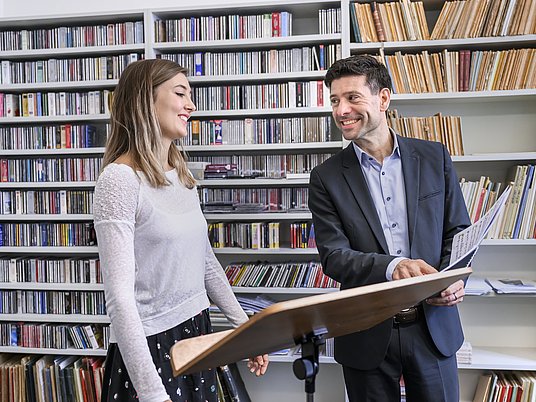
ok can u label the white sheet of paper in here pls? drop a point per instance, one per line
(465, 244)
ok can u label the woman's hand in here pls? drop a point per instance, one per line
(258, 364)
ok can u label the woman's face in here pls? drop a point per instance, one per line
(174, 106)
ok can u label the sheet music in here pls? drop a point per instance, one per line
(465, 244)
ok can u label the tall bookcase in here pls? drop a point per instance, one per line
(498, 134)
(56, 82)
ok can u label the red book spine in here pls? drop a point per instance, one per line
(276, 24)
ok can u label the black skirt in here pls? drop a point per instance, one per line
(199, 387)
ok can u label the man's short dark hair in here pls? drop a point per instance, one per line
(375, 72)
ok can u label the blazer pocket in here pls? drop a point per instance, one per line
(429, 195)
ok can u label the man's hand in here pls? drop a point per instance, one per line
(410, 268)
(450, 296)
(258, 364)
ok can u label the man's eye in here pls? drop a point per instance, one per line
(334, 101)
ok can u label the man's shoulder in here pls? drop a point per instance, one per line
(333, 162)
(423, 147)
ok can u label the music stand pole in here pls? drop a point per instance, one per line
(306, 367)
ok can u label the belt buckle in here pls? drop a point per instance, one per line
(406, 316)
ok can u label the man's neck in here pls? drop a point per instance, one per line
(379, 145)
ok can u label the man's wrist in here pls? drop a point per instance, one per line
(391, 268)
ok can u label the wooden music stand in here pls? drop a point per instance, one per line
(308, 321)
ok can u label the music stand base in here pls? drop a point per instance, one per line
(306, 367)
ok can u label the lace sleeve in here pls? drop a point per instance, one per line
(219, 290)
(115, 205)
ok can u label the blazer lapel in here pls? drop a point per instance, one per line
(356, 181)
(411, 171)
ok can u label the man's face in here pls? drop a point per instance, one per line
(356, 111)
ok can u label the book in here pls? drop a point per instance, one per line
(483, 388)
(198, 60)
(377, 21)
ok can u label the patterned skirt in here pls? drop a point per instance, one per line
(199, 387)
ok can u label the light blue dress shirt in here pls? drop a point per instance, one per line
(386, 186)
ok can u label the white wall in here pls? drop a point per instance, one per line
(41, 8)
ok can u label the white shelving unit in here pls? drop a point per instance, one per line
(498, 133)
(99, 121)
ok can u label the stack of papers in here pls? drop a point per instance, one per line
(465, 354)
(512, 286)
(477, 286)
(255, 304)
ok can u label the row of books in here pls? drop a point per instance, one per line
(65, 70)
(506, 386)
(54, 336)
(222, 27)
(50, 270)
(253, 235)
(478, 286)
(452, 71)
(404, 20)
(283, 130)
(479, 196)
(264, 96)
(391, 21)
(440, 128)
(50, 169)
(329, 21)
(34, 104)
(302, 235)
(52, 302)
(269, 166)
(46, 202)
(54, 136)
(51, 378)
(480, 19)
(274, 199)
(284, 275)
(310, 58)
(518, 219)
(47, 234)
(119, 33)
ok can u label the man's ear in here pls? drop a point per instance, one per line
(385, 99)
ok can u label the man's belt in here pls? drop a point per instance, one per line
(407, 316)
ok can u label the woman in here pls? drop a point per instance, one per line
(158, 267)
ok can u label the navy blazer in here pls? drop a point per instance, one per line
(353, 249)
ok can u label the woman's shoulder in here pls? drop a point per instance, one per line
(118, 175)
(116, 192)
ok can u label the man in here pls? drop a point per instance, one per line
(387, 208)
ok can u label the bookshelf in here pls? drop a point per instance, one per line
(56, 80)
(498, 134)
(262, 150)
(497, 130)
